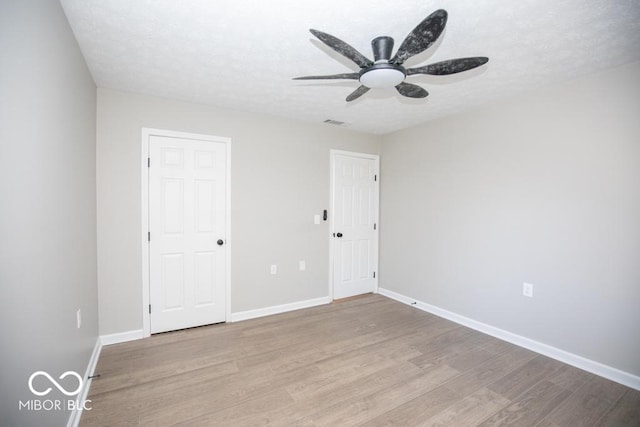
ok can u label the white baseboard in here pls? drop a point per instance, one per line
(580, 362)
(76, 413)
(276, 309)
(121, 337)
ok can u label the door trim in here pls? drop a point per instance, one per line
(376, 159)
(144, 219)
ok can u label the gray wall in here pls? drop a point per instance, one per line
(544, 189)
(48, 198)
(279, 180)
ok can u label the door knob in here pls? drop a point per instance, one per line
(339, 235)
(220, 242)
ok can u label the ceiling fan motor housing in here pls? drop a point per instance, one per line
(382, 73)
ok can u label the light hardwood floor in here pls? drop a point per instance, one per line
(365, 361)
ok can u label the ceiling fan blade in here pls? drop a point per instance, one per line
(450, 66)
(357, 93)
(342, 48)
(349, 76)
(422, 37)
(411, 91)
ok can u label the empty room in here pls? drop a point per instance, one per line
(233, 213)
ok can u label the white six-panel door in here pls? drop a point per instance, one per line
(187, 247)
(354, 227)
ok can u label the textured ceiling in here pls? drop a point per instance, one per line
(242, 54)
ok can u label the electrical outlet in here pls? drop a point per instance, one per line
(274, 269)
(79, 318)
(527, 290)
(303, 265)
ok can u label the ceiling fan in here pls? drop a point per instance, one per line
(387, 71)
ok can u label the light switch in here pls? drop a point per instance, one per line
(316, 219)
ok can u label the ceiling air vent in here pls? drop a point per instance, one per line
(333, 122)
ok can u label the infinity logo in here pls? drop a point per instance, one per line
(55, 383)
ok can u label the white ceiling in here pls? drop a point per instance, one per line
(242, 54)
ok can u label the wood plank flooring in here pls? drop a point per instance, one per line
(365, 361)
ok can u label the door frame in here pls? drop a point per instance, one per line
(147, 133)
(376, 189)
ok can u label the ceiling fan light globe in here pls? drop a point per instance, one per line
(382, 77)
